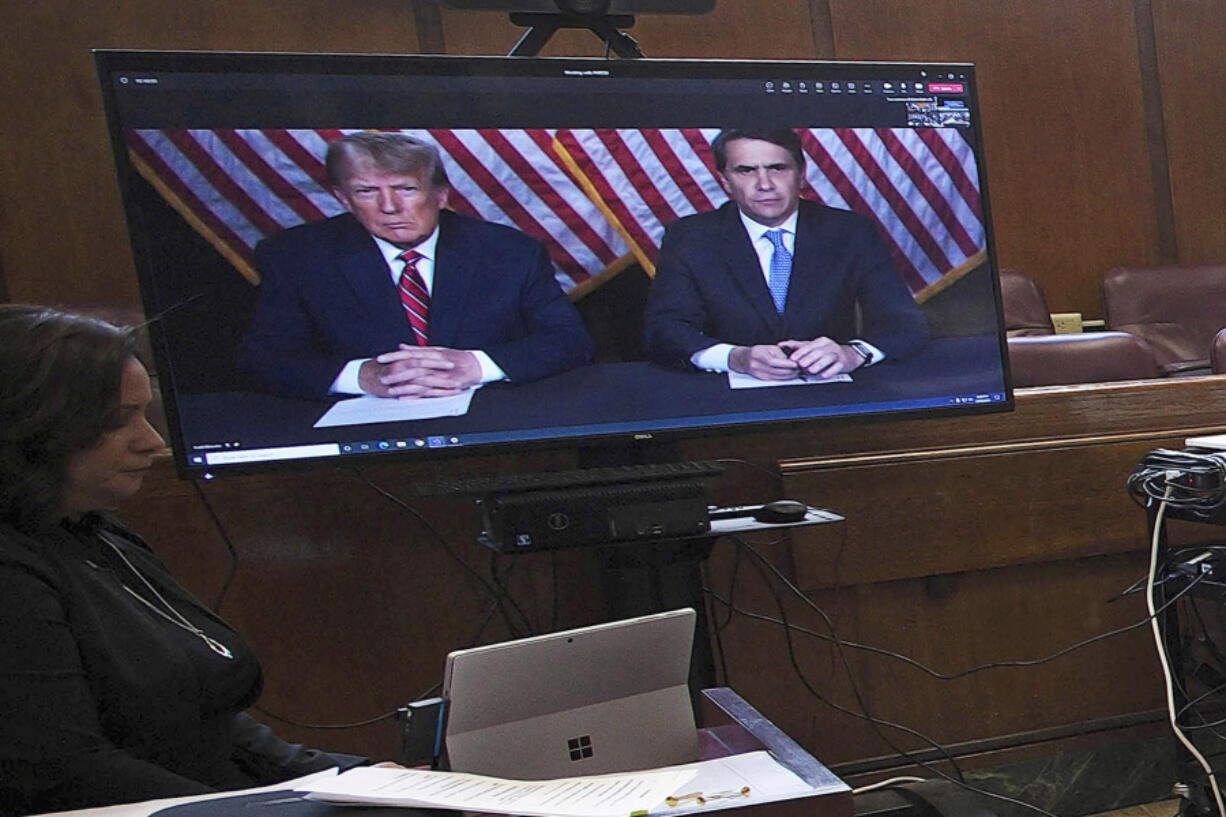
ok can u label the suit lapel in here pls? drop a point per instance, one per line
(810, 287)
(453, 276)
(742, 266)
(360, 263)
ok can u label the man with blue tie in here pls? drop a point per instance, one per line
(772, 286)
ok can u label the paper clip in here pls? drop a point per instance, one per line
(727, 795)
(677, 799)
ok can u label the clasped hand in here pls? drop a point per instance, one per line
(411, 372)
(787, 359)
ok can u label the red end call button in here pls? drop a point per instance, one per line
(946, 88)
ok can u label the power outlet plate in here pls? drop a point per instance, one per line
(1066, 323)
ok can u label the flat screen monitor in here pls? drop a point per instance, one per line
(583, 200)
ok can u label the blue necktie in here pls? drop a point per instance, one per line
(780, 270)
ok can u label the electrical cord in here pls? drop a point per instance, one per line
(833, 638)
(766, 569)
(773, 473)
(886, 784)
(950, 676)
(232, 569)
(1206, 641)
(501, 579)
(355, 725)
(494, 592)
(873, 721)
(1183, 480)
(1165, 663)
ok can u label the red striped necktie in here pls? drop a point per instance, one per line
(414, 296)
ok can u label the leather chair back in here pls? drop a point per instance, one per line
(1178, 309)
(1217, 353)
(1094, 357)
(1026, 310)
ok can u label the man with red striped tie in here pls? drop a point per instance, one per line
(772, 286)
(399, 297)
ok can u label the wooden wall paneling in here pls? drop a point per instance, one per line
(1192, 67)
(953, 554)
(62, 233)
(1063, 119)
(1155, 132)
(429, 24)
(351, 602)
(958, 622)
(977, 512)
(736, 29)
(960, 526)
(1103, 412)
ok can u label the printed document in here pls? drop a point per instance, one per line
(614, 795)
(737, 380)
(707, 785)
(367, 409)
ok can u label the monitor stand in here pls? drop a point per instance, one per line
(651, 529)
(607, 27)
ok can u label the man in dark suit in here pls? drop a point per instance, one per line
(400, 298)
(769, 285)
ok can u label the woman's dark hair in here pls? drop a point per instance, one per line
(59, 389)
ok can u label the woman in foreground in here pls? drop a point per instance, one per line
(116, 685)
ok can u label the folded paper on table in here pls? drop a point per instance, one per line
(614, 795)
(723, 782)
(737, 380)
(367, 409)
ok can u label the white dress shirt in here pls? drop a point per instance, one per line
(347, 381)
(715, 358)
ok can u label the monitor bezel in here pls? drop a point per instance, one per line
(111, 61)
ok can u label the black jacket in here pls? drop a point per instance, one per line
(103, 701)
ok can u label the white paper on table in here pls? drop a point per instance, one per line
(721, 781)
(615, 795)
(737, 380)
(367, 409)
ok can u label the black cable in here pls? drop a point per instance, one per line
(225, 538)
(502, 580)
(1187, 481)
(716, 629)
(553, 591)
(876, 723)
(1189, 708)
(736, 567)
(449, 550)
(481, 625)
(763, 565)
(357, 724)
(773, 473)
(941, 676)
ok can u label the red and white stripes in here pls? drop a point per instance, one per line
(591, 196)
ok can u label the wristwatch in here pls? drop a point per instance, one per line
(863, 349)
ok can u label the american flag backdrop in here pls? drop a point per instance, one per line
(599, 199)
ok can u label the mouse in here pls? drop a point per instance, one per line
(781, 510)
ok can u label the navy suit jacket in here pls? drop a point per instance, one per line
(327, 297)
(709, 288)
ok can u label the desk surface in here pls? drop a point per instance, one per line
(609, 398)
(732, 727)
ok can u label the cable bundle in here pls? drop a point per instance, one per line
(1187, 481)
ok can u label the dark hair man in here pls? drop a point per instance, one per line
(769, 285)
(399, 297)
